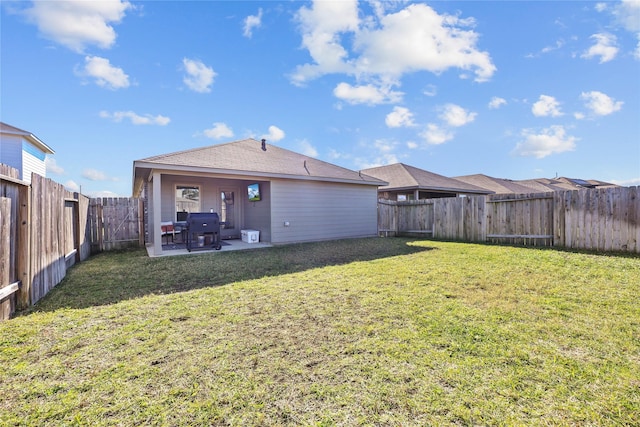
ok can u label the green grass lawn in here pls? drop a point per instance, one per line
(357, 332)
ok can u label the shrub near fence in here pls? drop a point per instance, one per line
(595, 219)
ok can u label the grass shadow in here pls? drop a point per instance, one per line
(112, 277)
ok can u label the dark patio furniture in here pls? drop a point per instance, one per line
(203, 231)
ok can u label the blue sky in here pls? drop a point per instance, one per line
(510, 89)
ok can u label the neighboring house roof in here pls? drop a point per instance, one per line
(405, 177)
(247, 158)
(586, 183)
(497, 185)
(12, 130)
(546, 185)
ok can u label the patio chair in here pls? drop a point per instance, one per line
(168, 230)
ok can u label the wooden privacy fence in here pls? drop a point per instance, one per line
(595, 219)
(115, 223)
(45, 229)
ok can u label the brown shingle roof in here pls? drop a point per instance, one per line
(401, 176)
(546, 184)
(497, 185)
(246, 157)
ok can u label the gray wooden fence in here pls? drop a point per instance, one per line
(45, 229)
(595, 219)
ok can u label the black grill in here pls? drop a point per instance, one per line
(203, 231)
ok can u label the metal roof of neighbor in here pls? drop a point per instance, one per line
(12, 130)
(401, 176)
(246, 157)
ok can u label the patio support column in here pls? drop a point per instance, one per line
(416, 194)
(156, 184)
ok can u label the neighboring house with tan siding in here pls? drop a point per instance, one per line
(301, 198)
(23, 151)
(411, 183)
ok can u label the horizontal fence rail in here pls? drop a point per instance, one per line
(593, 219)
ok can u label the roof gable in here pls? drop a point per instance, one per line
(12, 130)
(401, 176)
(247, 157)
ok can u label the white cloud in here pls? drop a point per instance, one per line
(627, 13)
(366, 94)
(417, 38)
(307, 149)
(627, 183)
(430, 90)
(136, 119)
(386, 46)
(219, 130)
(546, 106)
(549, 141)
(600, 104)
(382, 152)
(52, 166)
(600, 7)
(399, 117)
(94, 175)
(435, 135)
(605, 47)
(72, 185)
(199, 77)
(456, 116)
(275, 134)
(321, 26)
(251, 22)
(78, 24)
(558, 45)
(497, 102)
(105, 74)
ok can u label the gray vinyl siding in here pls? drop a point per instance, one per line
(257, 215)
(321, 211)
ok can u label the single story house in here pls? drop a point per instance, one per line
(286, 196)
(23, 151)
(410, 183)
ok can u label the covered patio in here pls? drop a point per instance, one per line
(179, 248)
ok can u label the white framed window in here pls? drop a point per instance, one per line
(187, 198)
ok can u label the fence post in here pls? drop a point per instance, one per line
(23, 262)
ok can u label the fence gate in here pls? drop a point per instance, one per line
(115, 223)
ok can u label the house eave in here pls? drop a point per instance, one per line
(142, 170)
(32, 139)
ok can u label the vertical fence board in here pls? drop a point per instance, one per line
(45, 223)
(595, 219)
(7, 304)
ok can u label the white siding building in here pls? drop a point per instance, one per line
(22, 150)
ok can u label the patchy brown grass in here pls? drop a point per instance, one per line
(357, 332)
